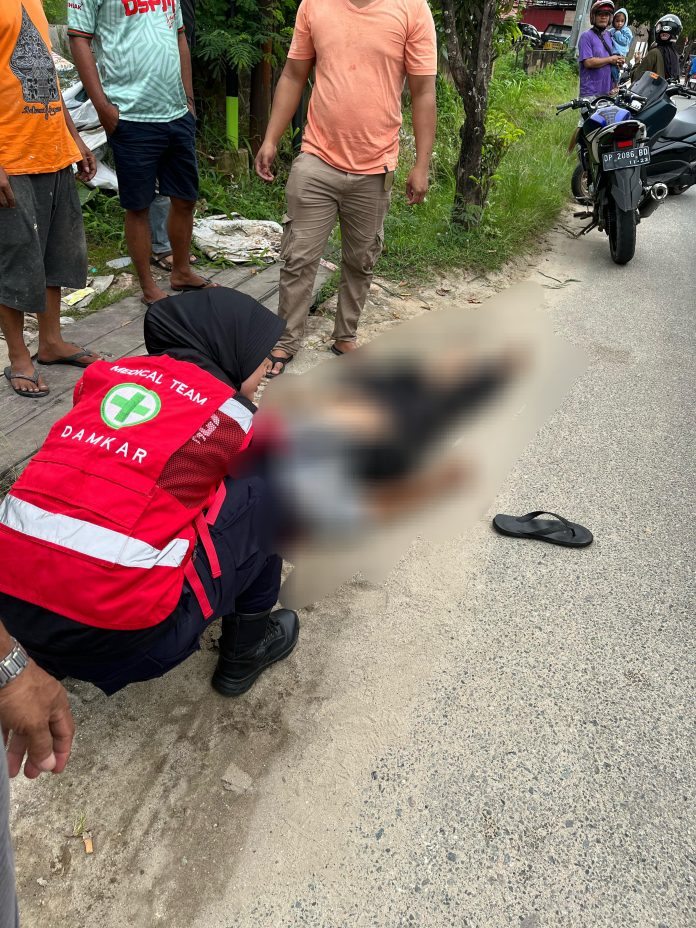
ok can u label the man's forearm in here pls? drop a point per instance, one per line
(424, 116)
(593, 63)
(285, 102)
(186, 70)
(87, 69)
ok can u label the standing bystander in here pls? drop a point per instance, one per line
(42, 241)
(595, 52)
(135, 64)
(363, 51)
(159, 208)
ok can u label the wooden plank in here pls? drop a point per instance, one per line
(263, 284)
(232, 276)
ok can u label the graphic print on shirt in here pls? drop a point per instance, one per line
(32, 65)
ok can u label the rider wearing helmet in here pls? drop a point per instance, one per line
(595, 52)
(662, 58)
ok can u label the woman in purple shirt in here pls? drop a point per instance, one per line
(595, 52)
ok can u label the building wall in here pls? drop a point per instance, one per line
(542, 16)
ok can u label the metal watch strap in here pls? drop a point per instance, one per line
(12, 665)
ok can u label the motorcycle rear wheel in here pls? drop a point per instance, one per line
(621, 229)
(579, 185)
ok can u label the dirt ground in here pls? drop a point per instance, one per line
(207, 813)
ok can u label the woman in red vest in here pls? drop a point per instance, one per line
(127, 535)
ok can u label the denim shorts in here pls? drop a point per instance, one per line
(148, 153)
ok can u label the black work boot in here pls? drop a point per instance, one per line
(249, 644)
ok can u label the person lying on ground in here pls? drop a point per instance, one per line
(374, 444)
(149, 116)
(42, 239)
(37, 723)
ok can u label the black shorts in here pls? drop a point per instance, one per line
(147, 153)
(42, 240)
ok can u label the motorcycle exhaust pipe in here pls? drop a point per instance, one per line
(659, 192)
(654, 196)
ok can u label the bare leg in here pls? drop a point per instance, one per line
(180, 233)
(52, 346)
(139, 247)
(12, 325)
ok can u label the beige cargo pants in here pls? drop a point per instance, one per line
(316, 194)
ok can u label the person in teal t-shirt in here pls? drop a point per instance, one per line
(135, 65)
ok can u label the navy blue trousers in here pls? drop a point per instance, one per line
(249, 583)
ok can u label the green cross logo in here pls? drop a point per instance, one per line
(129, 404)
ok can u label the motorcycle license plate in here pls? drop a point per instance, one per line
(628, 158)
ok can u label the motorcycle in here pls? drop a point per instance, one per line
(613, 152)
(671, 133)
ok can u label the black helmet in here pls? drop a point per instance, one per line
(670, 24)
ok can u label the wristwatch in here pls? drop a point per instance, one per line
(12, 665)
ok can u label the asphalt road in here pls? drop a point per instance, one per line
(539, 769)
(501, 737)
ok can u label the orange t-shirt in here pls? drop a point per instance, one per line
(34, 137)
(363, 55)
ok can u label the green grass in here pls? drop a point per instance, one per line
(531, 189)
(56, 11)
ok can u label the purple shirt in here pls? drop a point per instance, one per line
(594, 81)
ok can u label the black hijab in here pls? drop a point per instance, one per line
(670, 58)
(223, 331)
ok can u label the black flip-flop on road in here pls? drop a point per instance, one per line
(557, 530)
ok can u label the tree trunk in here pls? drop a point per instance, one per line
(469, 26)
(260, 98)
(260, 88)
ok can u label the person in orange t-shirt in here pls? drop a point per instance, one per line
(42, 241)
(363, 51)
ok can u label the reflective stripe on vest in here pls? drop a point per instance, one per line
(241, 415)
(94, 541)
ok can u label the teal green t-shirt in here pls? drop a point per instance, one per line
(136, 47)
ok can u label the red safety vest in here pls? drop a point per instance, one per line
(87, 531)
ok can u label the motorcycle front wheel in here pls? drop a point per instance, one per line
(621, 229)
(579, 185)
